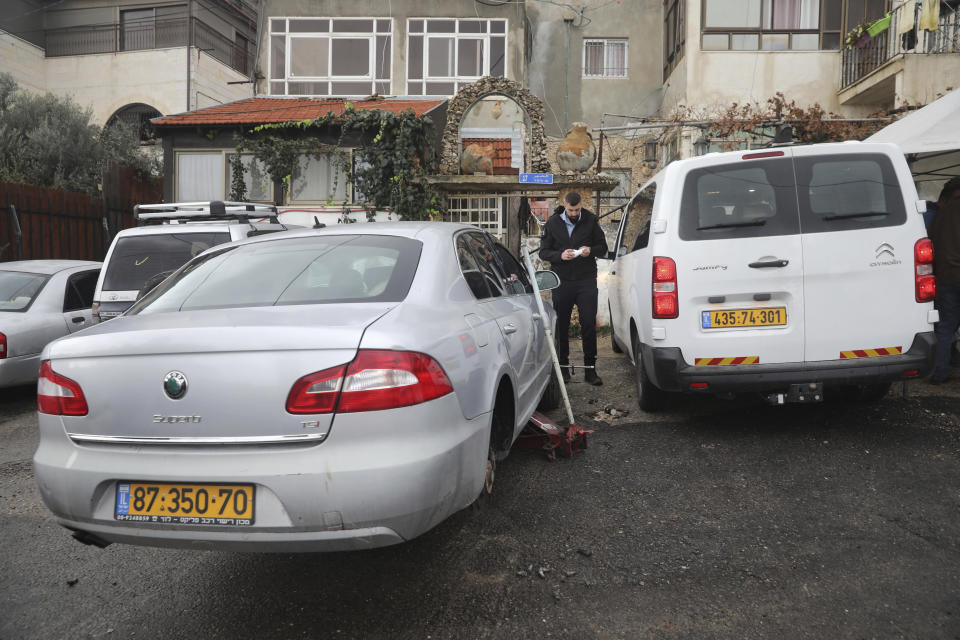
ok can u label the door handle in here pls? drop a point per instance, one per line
(769, 263)
(509, 328)
(78, 320)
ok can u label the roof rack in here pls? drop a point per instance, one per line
(210, 210)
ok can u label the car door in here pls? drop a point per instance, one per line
(739, 262)
(858, 248)
(78, 298)
(631, 271)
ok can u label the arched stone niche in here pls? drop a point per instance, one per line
(467, 97)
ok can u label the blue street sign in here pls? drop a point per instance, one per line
(536, 178)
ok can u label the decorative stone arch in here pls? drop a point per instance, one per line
(138, 116)
(468, 96)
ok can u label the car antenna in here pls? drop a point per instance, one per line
(317, 224)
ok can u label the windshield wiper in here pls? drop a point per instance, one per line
(845, 216)
(725, 225)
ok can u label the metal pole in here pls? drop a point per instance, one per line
(17, 234)
(546, 327)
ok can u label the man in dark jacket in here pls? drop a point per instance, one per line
(945, 234)
(571, 241)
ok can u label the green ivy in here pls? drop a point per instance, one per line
(395, 155)
(238, 186)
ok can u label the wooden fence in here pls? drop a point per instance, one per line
(68, 225)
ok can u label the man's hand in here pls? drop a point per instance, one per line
(585, 252)
(568, 254)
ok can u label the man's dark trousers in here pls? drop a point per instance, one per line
(582, 293)
(948, 304)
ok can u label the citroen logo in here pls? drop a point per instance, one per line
(175, 385)
(884, 249)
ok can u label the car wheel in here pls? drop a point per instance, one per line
(551, 397)
(613, 335)
(649, 397)
(490, 474)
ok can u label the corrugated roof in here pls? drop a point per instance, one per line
(264, 110)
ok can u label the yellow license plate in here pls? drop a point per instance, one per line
(727, 318)
(169, 503)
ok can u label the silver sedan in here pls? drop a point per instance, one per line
(40, 301)
(315, 390)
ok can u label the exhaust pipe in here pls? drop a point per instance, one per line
(91, 539)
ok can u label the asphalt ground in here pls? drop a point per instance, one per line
(713, 519)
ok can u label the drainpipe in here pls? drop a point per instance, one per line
(189, 45)
(568, 22)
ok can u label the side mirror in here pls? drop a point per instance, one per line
(547, 280)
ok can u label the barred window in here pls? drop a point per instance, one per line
(604, 58)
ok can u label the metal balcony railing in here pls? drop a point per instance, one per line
(148, 34)
(872, 53)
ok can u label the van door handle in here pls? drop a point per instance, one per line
(769, 263)
(509, 328)
(78, 319)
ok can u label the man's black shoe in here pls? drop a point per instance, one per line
(937, 380)
(591, 377)
(565, 372)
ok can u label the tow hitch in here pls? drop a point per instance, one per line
(805, 392)
(541, 432)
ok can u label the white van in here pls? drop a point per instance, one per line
(171, 234)
(793, 271)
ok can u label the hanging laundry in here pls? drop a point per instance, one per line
(930, 15)
(907, 20)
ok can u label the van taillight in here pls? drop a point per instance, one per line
(3, 346)
(59, 395)
(375, 380)
(924, 283)
(665, 301)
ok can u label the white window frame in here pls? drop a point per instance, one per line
(371, 36)
(225, 171)
(487, 215)
(346, 184)
(229, 178)
(607, 71)
(458, 81)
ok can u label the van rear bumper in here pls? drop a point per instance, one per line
(668, 370)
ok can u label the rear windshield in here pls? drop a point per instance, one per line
(743, 200)
(18, 290)
(138, 258)
(842, 193)
(778, 196)
(315, 270)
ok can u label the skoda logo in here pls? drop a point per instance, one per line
(175, 385)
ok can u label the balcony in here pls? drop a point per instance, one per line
(149, 34)
(871, 54)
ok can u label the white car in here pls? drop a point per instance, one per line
(781, 271)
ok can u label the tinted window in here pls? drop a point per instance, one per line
(516, 279)
(636, 224)
(18, 290)
(842, 193)
(743, 200)
(487, 262)
(136, 258)
(317, 270)
(471, 269)
(79, 293)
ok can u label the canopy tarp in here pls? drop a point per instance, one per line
(930, 139)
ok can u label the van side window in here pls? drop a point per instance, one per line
(742, 200)
(636, 231)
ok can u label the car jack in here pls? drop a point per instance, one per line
(540, 431)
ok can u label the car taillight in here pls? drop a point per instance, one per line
(375, 380)
(666, 304)
(59, 395)
(924, 283)
(3, 345)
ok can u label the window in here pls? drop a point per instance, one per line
(330, 56)
(636, 224)
(137, 29)
(319, 179)
(478, 265)
(136, 259)
(200, 176)
(621, 193)
(605, 58)
(443, 55)
(255, 176)
(480, 212)
(19, 289)
(770, 25)
(673, 35)
(516, 280)
(80, 288)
